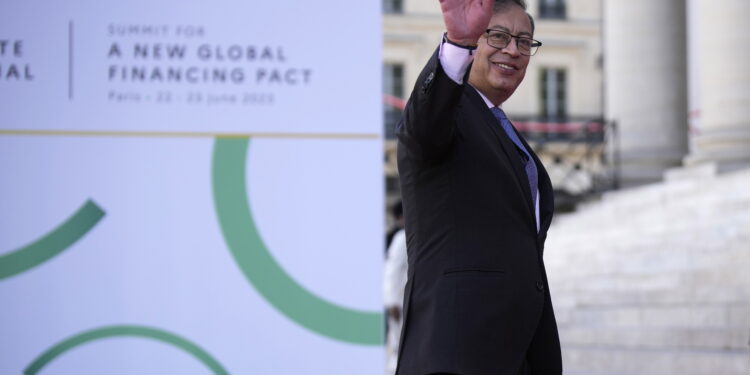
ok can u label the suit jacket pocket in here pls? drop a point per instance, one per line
(473, 271)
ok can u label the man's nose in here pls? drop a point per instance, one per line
(512, 48)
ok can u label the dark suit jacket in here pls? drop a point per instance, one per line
(477, 300)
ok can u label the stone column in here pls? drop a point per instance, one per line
(646, 84)
(723, 65)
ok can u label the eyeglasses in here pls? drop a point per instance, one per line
(500, 39)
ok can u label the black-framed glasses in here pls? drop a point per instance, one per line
(500, 39)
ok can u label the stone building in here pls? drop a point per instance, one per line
(686, 63)
(653, 279)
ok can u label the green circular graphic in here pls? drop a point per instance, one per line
(119, 331)
(261, 269)
(53, 243)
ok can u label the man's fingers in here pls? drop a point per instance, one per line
(466, 20)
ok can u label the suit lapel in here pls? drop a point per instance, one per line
(546, 194)
(506, 144)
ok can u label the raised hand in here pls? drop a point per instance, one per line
(466, 20)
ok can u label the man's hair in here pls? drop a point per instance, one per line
(502, 4)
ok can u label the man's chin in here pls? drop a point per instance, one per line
(502, 89)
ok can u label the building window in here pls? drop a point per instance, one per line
(554, 95)
(554, 9)
(393, 85)
(393, 6)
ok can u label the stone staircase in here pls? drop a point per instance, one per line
(656, 279)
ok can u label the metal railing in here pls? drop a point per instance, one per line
(581, 155)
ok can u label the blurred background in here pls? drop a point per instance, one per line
(640, 111)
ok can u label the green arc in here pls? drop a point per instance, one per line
(53, 243)
(261, 269)
(125, 330)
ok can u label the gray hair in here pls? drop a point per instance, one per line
(502, 4)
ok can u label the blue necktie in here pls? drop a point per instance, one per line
(530, 166)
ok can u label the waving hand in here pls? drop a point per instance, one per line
(466, 20)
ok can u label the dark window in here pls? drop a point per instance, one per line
(554, 9)
(393, 6)
(554, 95)
(393, 85)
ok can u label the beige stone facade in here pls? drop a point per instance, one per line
(646, 84)
(722, 82)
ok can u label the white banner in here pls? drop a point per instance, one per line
(224, 66)
(190, 187)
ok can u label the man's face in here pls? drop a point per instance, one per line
(497, 72)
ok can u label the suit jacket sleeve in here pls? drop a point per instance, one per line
(428, 126)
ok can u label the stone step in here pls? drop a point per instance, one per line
(688, 199)
(727, 265)
(655, 316)
(715, 225)
(690, 214)
(676, 189)
(585, 360)
(705, 295)
(655, 272)
(680, 338)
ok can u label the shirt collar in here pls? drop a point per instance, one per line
(486, 101)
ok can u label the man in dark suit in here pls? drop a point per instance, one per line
(477, 203)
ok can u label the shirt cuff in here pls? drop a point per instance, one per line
(455, 60)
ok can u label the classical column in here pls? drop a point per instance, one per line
(646, 84)
(722, 134)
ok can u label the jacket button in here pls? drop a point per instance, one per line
(427, 82)
(540, 286)
(429, 78)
